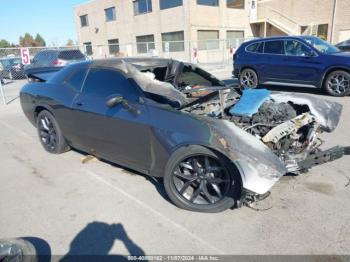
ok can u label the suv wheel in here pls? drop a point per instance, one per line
(248, 78)
(337, 83)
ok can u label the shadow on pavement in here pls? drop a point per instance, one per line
(94, 242)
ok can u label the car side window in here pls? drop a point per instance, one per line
(274, 47)
(252, 47)
(76, 79)
(106, 82)
(295, 48)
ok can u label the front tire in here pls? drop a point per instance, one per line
(248, 78)
(337, 83)
(199, 179)
(50, 133)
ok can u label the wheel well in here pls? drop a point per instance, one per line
(331, 71)
(233, 167)
(37, 111)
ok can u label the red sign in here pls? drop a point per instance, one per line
(25, 56)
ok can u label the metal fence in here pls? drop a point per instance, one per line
(216, 51)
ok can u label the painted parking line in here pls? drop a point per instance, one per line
(155, 212)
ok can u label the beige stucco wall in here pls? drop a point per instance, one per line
(188, 18)
(342, 21)
(308, 12)
(127, 26)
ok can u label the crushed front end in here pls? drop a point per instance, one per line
(285, 128)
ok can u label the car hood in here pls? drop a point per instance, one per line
(327, 112)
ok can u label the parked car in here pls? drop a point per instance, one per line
(214, 151)
(302, 61)
(344, 46)
(11, 68)
(56, 58)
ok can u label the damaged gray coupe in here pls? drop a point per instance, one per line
(215, 146)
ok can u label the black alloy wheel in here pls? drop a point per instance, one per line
(50, 134)
(201, 181)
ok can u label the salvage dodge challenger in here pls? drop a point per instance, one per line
(215, 146)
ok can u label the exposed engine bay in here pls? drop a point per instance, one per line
(288, 129)
(289, 125)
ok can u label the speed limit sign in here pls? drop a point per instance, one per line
(25, 56)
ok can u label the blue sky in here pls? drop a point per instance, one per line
(53, 19)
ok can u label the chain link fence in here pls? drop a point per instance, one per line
(215, 51)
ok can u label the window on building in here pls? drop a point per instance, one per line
(110, 14)
(113, 46)
(274, 47)
(88, 48)
(234, 38)
(175, 40)
(238, 4)
(84, 21)
(208, 39)
(208, 2)
(165, 4)
(322, 31)
(142, 6)
(145, 43)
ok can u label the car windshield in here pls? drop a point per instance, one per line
(321, 45)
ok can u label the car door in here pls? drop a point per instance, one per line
(119, 133)
(272, 59)
(301, 64)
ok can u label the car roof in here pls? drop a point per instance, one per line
(296, 37)
(139, 62)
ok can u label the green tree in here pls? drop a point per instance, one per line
(39, 40)
(27, 40)
(69, 42)
(4, 43)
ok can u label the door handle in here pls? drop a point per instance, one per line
(79, 103)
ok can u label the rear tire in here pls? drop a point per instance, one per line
(248, 78)
(50, 133)
(337, 83)
(201, 180)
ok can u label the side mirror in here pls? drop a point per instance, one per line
(112, 102)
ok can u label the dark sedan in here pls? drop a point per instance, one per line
(11, 68)
(301, 61)
(344, 46)
(214, 145)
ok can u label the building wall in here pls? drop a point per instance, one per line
(315, 12)
(342, 21)
(127, 26)
(188, 18)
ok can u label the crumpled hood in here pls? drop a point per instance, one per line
(326, 112)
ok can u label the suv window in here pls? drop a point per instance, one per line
(295, 48)
(71, 55)
(76, 79)
(274, 47)
(106, 82)
(252, 47)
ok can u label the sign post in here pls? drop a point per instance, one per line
(25, 56)
(2, 94)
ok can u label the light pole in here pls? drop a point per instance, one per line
(333, 19)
